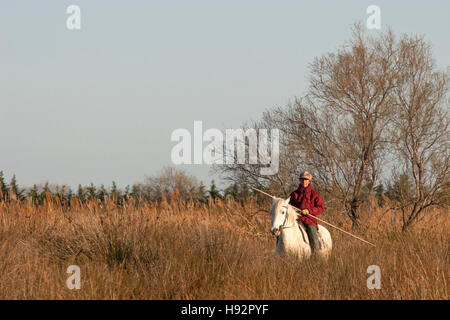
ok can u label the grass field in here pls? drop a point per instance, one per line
(177, 250)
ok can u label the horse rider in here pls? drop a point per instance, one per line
(310, 203)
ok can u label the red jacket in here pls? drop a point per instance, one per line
(307, 198)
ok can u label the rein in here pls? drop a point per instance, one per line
(283, 226)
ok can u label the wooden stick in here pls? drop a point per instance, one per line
(298, 210)
(260, 191)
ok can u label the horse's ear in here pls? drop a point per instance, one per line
(274, 199)
(288, 199)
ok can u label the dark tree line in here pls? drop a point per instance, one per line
(399, 189)
(168, 181)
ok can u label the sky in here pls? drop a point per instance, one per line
(100, 103)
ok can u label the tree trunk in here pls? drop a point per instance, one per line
(354, 213)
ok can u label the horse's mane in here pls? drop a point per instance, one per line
(292, 217)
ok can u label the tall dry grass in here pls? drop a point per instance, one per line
(221, 250)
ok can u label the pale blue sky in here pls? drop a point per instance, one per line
(99, 104)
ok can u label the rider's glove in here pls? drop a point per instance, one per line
(305, 212)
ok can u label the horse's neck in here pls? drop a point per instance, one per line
(292, 236)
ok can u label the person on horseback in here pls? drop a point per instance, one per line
(310, 203)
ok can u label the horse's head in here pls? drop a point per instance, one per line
(281, 215)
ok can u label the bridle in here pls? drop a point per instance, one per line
(283, 226)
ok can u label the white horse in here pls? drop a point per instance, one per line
(293, 238)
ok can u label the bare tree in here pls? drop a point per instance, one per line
(340, 126)
(171, 180)
(337, 130)
(282, 182)
(341, 129)
(421, 135)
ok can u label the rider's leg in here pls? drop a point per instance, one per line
(313, 236)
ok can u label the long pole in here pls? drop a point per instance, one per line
(298, 210)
